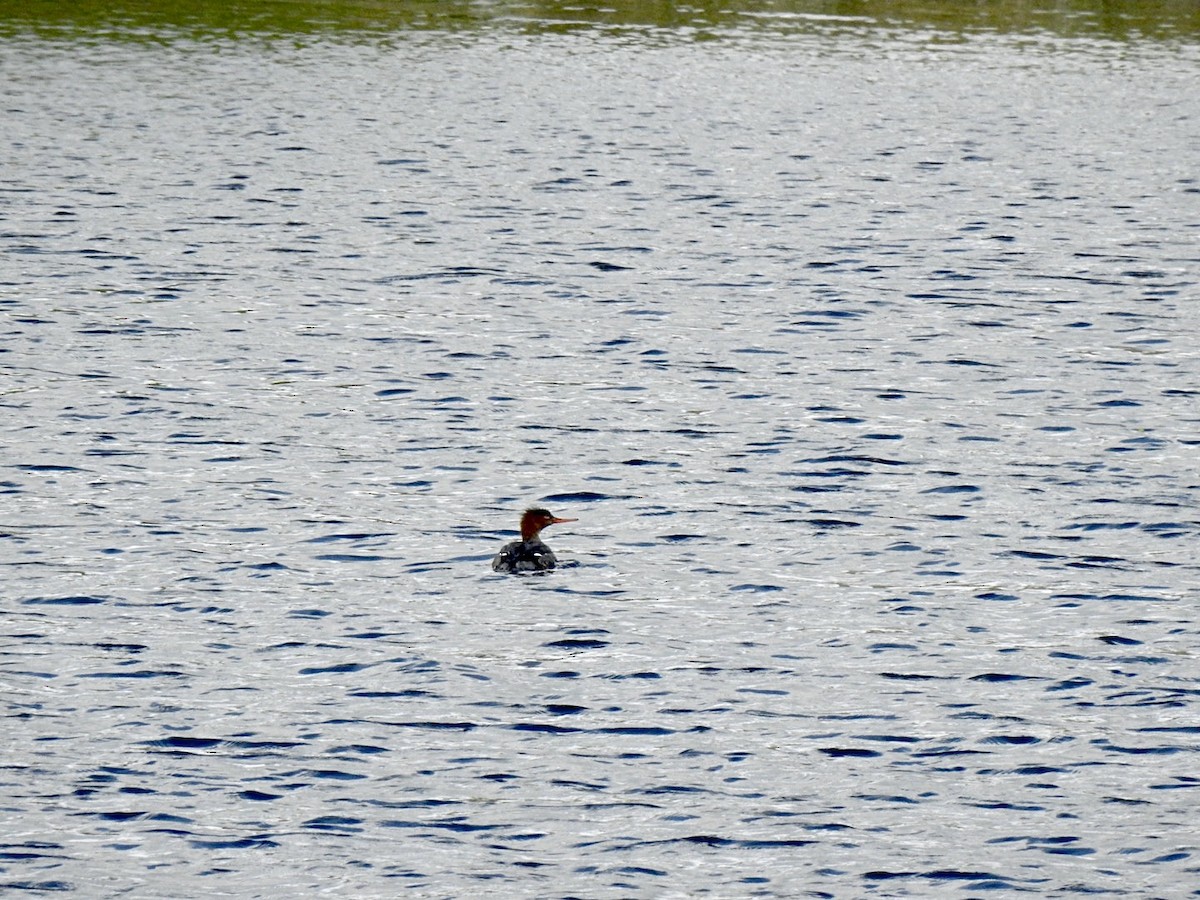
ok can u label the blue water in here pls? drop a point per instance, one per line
(867, 363)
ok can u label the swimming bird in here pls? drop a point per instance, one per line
(529, 554)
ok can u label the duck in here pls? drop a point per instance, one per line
(529, 554)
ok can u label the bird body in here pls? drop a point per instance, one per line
(530, 554)
(525, 556)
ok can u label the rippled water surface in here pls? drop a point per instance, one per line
(867, 361)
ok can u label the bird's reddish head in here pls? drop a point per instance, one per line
(534, 520)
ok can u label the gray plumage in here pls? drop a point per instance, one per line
(524, 556)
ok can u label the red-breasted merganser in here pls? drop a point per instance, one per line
(529, 554)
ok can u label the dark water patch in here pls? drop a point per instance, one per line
(580, 785)
(1169, 857)
(1137, 751)
(448, 275)
(30, 850)
(581, 497)
(358, 558)
(716, 841)
(1099, 562)
(415, 803)
(335, 669)
(841, 420)
(577, 644)
(545, 728)
(306, 614)
(641, 870)
(1113, 598)
(564, 709)
(458, 824)
(1071, 684)
(354, 536)
(1004, 805)
(66, 601)
(939, 875)
(997, 597)
(1170, 729)
(841, 752)
(1026, 770)
(119, 816)
(947, 753)
(837, 472)
(252, 843)
(974, 363)
(826, 524)
(49, 886)
(500, 777)
(343, 824)
(136, 674)
(889, 738)
(1032, 554)
(329, 774)
(1012, 739)
(436, 726)
(897, 799)
(183, 742)
(263, 748)
(856, 458)
(1171, 529)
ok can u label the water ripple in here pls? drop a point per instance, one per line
(878, 427)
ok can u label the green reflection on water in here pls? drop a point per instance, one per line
(1111, 19)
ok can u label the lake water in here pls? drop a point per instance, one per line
(866, 354)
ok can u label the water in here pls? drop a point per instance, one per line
(867, 360)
